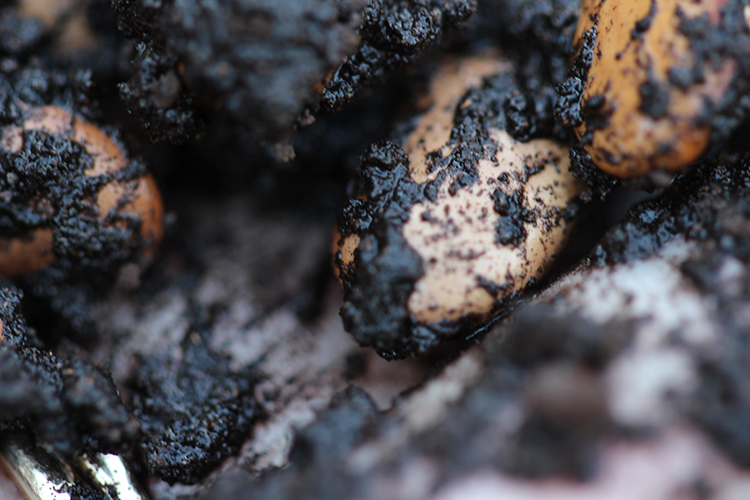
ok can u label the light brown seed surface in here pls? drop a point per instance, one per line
(63, 19)
(459, 245)
(139, 198)
(641, 117)
(486, 214)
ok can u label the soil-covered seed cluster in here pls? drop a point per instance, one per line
(202, 337)
(75, 206)
(541, 396)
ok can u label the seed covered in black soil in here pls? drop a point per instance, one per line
(657, 84)
(453, 226)
(70, 193)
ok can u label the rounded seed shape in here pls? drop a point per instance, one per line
(52, 159)
(458, 222)
(657, 83)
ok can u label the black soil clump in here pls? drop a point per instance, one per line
(708, 207)
(395, 33)
(691, 207)
(557, 435)
(68, 404)
(536, 34)
(317, 458)
(194, 411)
(721, 271)
(156, 97)
(259, 64)
(387, 268)
(267, 67)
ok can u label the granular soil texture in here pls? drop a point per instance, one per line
(193, 410)
(67, 403)
(721, 272)
(709, 207)
(395, 33)
(692, 207)
(555, 436)
(536, 34)
(260, 64)
(386, 267)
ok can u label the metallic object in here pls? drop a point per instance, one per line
(41, 475)
(110, 470)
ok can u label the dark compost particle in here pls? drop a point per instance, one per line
(691, 207)
(536, 34)
(394, 34)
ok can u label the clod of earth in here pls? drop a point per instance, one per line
(68, 404)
